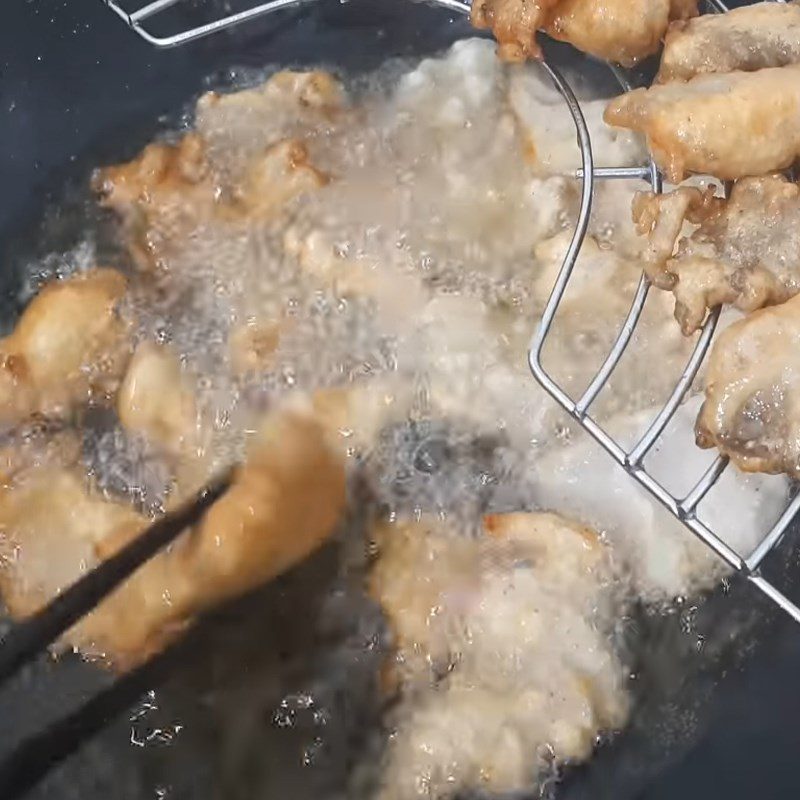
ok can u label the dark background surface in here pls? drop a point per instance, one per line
(76, 87)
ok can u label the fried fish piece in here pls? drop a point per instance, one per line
(660, 217)
(729, 126)
(70, 346)
(427, 572)
(238, 126)
(171, 191)
(167, 191)
(625, 31)
(622, 31)
(482, 684)
(51, 524)
(285, 501)
(514, 24)
(746, 251)
(751, 411)
(280, 174)
(287, 95)
(156, 401)
(749, 38)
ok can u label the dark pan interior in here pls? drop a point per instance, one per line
(275, 695)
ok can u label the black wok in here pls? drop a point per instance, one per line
(719, 698)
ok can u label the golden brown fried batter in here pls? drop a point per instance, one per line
(729, 126)
(69, 347)
(419, 564)
(156, 401)
(280, 174)
(426, 572)
(660, 217)
(160, 196)
(284, 503)
(752, 406)
(749, 38)
(746, 251)
(252, 346)
(514, 24)
(483, 683)
(313, 92)
(242, 165)
(290, 106)
(51, 527)
(623, 31)
(171, 191)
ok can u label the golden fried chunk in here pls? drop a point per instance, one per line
(483, 683)
(69, 346)
(171, 191)
(420, 564)
(729, 126)
(623, 31)
(284, 503)
(51, 526)
(514, 24)
(160, 196)
(562, 548)
(237, 127)
(354, 415)
(156, 401)
(252, 346)
(660, 217)
(752, 406)
(746, 251)
(280, 174)
(749, 38)
(265, 523)
(427, 572)
(315, 91)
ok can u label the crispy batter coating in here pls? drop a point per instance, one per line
(483, 686)
(514, 24)
(749, 38)
(156, 401)
(424, 567)
(171, 191)
(660, 217)
(282, 173)
(51, 522)
(746, 251)
(69, 347)
(623, 31)
(729, 126)
(752, 406)
(242, 165)
(312, 92)
(160, 196)
(252, 345)
(285, 501)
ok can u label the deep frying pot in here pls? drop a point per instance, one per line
(230, 716)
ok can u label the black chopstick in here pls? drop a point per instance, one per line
(30, 637)
(26, 765)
